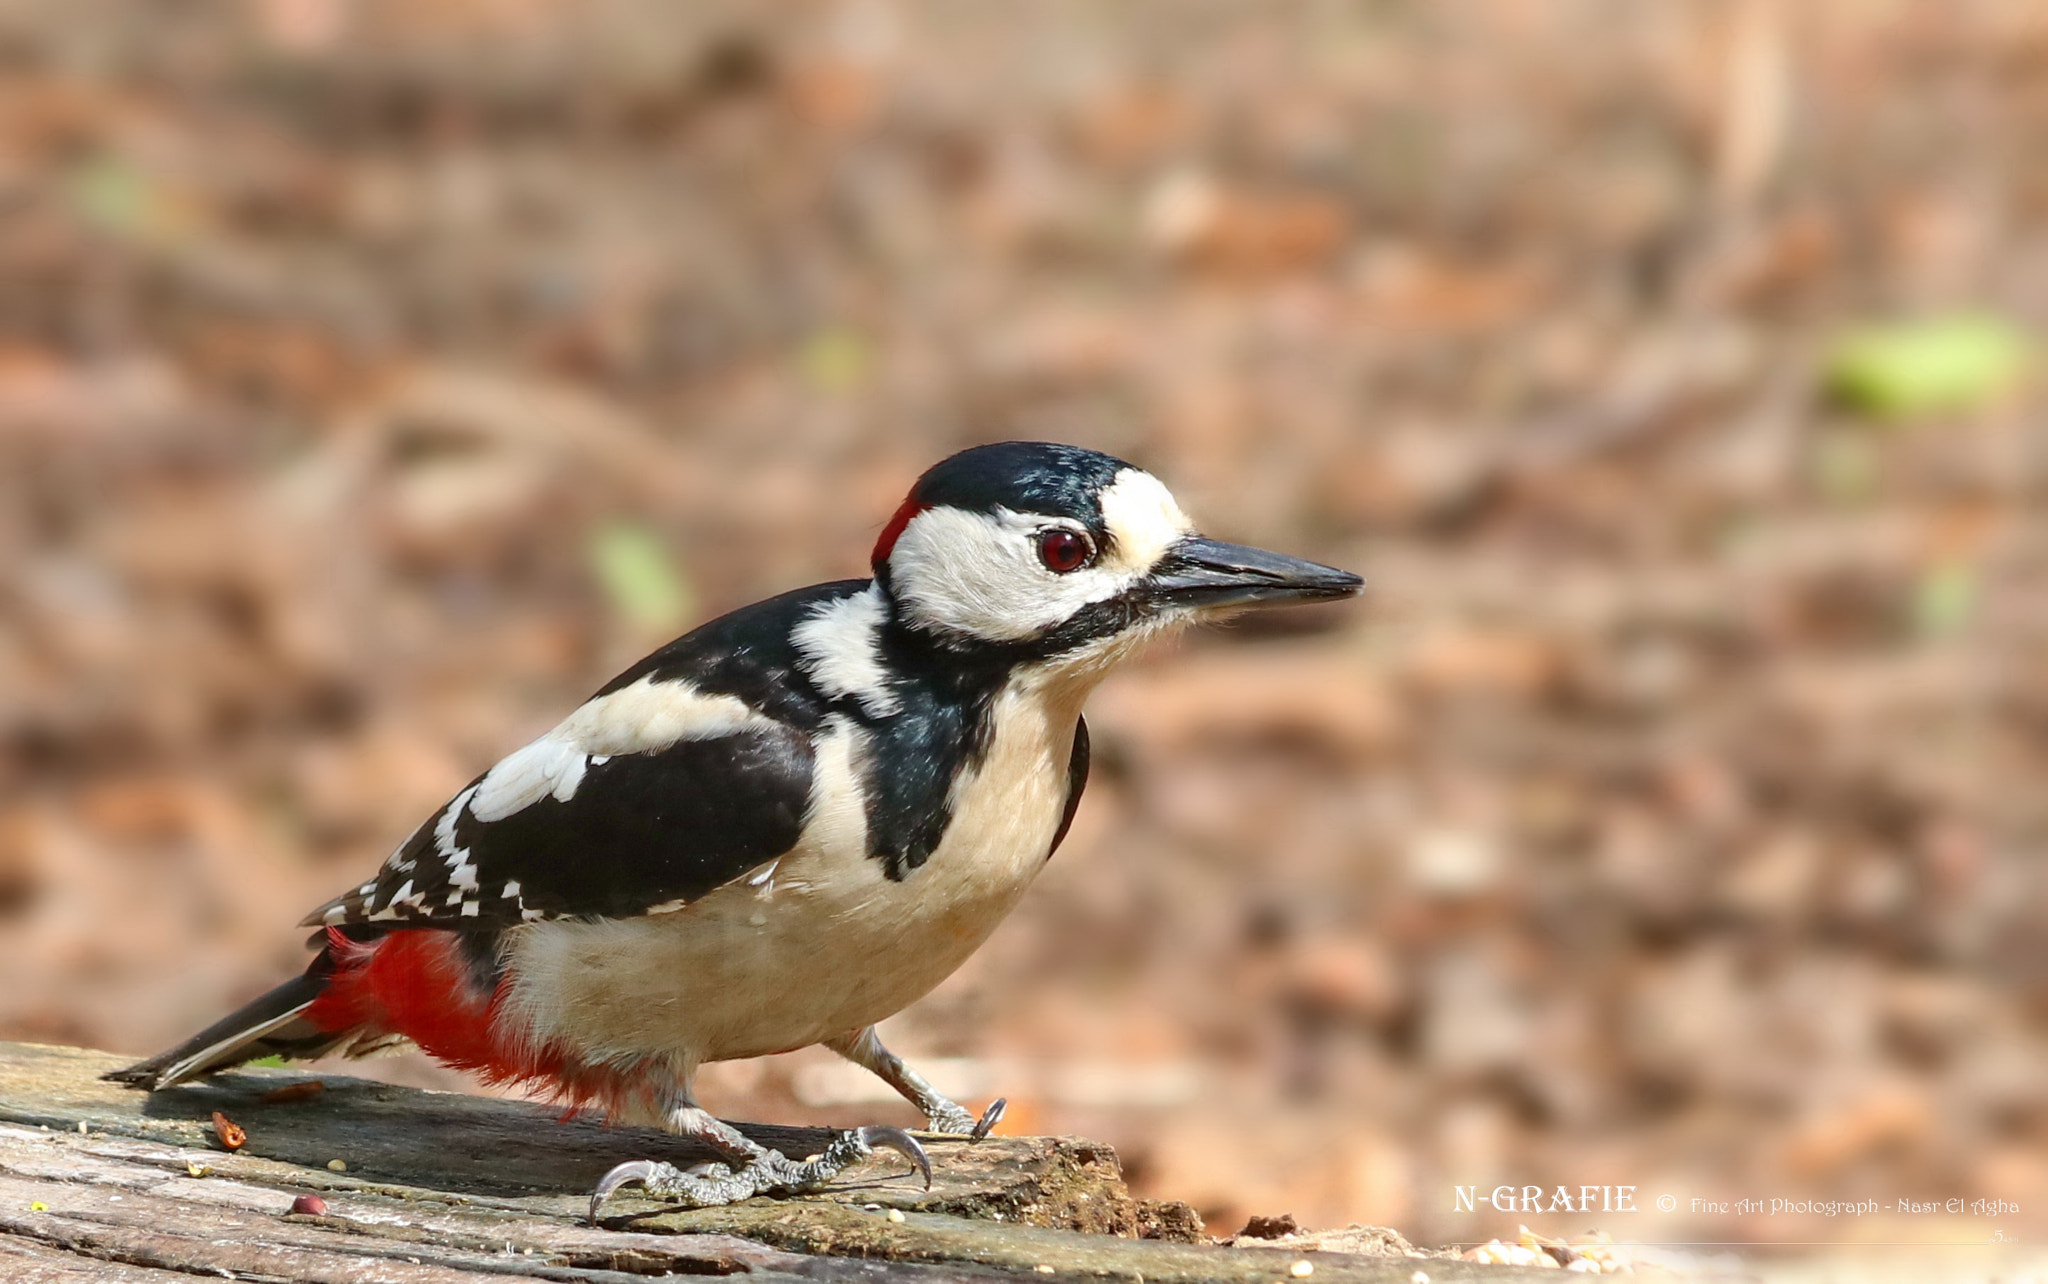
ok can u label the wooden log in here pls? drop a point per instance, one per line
(104, 1182)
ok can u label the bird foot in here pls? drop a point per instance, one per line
(950, 1120)
(766, 1172)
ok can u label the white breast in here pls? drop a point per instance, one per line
(819, 942)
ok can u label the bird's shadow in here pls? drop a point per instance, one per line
(468, 1145)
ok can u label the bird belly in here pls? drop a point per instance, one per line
(816, 943)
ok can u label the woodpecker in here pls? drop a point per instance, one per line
(775, 831)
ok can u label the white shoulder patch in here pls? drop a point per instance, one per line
(641, 718)
(650, 715)
(840, 644)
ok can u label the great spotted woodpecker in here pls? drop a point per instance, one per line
(776, 830)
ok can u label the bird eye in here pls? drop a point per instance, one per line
(1063, 550)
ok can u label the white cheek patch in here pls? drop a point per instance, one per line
(641, 718)
(1142, 519)
(979, 574)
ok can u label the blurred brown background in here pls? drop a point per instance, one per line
(378, 378)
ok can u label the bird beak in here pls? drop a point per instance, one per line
(1208, 574)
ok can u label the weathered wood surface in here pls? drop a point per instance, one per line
(103, 1182)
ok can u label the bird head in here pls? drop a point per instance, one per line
(1045, 551)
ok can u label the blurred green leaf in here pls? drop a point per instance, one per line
(117, 197)
(639, 577)
(111, 194)
(267, 1063)
(1944, 599)
(1918, 368)
(836, 359)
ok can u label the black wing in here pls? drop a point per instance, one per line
(640, 832)
(681, 775)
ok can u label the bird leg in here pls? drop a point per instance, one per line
(864, 1048)
(748, 1169)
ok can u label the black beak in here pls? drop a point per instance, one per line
(1209, 574)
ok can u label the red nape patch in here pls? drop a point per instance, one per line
(885, 543)
(416, 983)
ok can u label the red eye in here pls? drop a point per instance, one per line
(1063, 550)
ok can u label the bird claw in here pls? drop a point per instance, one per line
(989, 1119)
(626, 1174)
(949, 1120)
(767, 1173)
(899, 1141)
(653, 1175)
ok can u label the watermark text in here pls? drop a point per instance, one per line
(1534, 1199)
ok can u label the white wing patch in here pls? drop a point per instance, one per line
(840, 644)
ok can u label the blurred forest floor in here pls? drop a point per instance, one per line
(378, 378)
